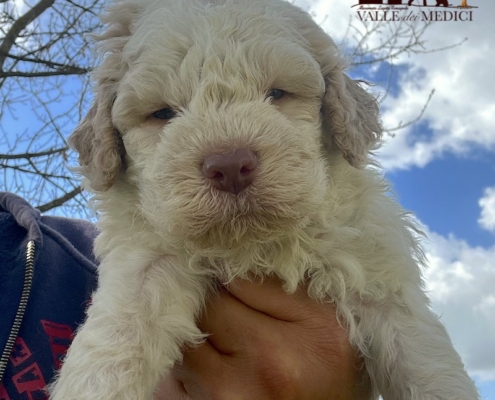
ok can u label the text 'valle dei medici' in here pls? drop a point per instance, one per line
(384, 13)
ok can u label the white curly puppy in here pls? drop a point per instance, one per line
(226, 140)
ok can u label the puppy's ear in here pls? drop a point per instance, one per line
(99, 144)
(351, 114)
(100, 147)
(352, 117)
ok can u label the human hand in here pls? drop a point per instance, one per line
(265, 344)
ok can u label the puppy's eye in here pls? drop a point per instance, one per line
(164, 113)
(276, 94)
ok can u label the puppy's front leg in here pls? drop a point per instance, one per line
(411, 356)
(141, 314)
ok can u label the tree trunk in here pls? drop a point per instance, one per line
(464, 3)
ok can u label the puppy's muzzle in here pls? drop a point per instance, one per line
(231, 172)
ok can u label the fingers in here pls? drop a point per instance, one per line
(262, 341)
(235, 319)
(206, 374)
(297, 316)
(170, 388)
(232, 325)
(197, 362)
(270, 298)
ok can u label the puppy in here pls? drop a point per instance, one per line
(226, 141)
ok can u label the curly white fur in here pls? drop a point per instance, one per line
(317, 212)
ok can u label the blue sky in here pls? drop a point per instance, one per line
(443, 167)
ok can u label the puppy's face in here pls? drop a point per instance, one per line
(200, 82)
(205, 87)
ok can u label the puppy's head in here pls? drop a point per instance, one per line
(220, 115)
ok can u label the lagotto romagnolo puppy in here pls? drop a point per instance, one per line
(225, 140)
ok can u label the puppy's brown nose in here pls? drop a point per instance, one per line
(231, 172)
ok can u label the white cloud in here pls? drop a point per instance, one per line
(460, 115)
(461, 112)
(487, 204)
(21, 6)
(460, 281)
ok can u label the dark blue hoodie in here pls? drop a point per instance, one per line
(47, 275)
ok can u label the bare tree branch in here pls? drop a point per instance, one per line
(60, 201)
(68, 71)
(32, 155)
(403, 125)
(19, 25)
